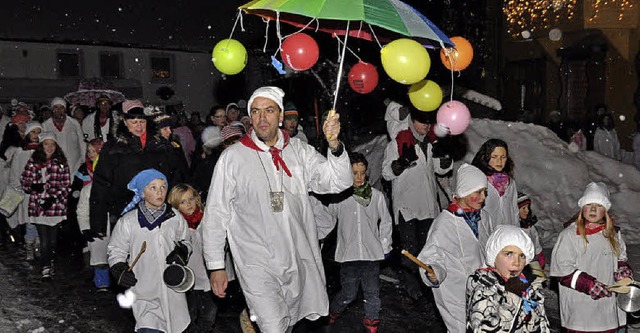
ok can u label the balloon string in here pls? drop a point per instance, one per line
(266, 36)
(234, 26)
(306, 26)
(344, 50)
(374, 36)
(359, 30)
(278, 33)
(340, 42)
(452, 61)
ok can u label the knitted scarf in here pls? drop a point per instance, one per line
(500, 181)
(470, 216)
(194, 219)
(362, 194)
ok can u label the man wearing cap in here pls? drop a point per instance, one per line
(410, 166)
(98, 124)
(290, 123)
(259, 202)
(68, 134)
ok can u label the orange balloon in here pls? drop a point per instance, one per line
(460, 56)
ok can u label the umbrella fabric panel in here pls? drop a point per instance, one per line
(419, 25)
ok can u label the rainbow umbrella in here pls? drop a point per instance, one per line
(335, 16)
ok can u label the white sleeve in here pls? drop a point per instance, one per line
(390, 154)
(119, 243)
(386, 225)
(217, 213)
(326, 175)
(82, 211)
(394, 124)
(325, 220)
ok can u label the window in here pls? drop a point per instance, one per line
(162, 68)
(69, 64)
(111, 65)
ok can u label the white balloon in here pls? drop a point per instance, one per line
(127, 299)
(526, 34)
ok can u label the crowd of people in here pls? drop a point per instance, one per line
(173, 209)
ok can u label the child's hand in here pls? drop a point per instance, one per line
(123, 276)
(179, 255)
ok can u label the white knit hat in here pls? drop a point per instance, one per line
(33, 125)
(595, 193)
(47, 136)
(211, 137)
(273, 93)
(506, 235)
(469, 179)
(58, 101)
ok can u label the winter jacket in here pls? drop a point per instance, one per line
(454, 253)
(120, 160)
(55, 176)
(490, 308)
(414, 191)
(276, 254)
(156, 306)
(71, 140)
(577, 310)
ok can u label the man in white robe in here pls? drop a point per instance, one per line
(68, 134)
(258, 201)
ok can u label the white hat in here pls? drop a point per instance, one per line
(47, 136)
(33, 125)
(273, 93)
(469, 180)
(506, 235)
(58, 101)
(211, 137)
(230, 105)
(595, 193)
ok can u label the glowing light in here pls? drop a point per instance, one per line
(535, 15)
(620, 6)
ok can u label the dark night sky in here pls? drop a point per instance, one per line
(195, 25)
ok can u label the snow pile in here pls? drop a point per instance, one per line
(554, 177)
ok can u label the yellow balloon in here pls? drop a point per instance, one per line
(405, 61)
(229, 56)
(425, 95)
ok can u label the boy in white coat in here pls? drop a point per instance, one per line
(362, 243)
(157, 307)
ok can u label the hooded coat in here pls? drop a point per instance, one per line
(503, 209)
(276, 254)
(70, 139)
(454, 253)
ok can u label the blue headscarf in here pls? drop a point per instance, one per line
(139, 182)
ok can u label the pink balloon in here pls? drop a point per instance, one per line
(455, 116)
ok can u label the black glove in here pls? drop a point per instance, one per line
(90, 236)
(123, 276)
(409, 153)
(179, 255)
(47, 203)
(37, 187)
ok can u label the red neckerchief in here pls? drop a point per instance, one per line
(591, 228)
(59, 127)
(89, 164)
(143, 139)
(275, 152)
(194, 219)
(32, 146)
(103, 120)
(455, 207)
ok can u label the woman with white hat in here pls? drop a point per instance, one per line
(590, 255)
(455, 246)
(499, 297)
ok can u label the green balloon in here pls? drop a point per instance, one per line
(229, 56)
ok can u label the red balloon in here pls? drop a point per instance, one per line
(363, 77)
(300, 52)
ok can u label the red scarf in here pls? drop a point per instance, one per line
(194, 219)
(500, 181)
(275, 152)
(143, 139)
(591, 228)
(455, 207)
